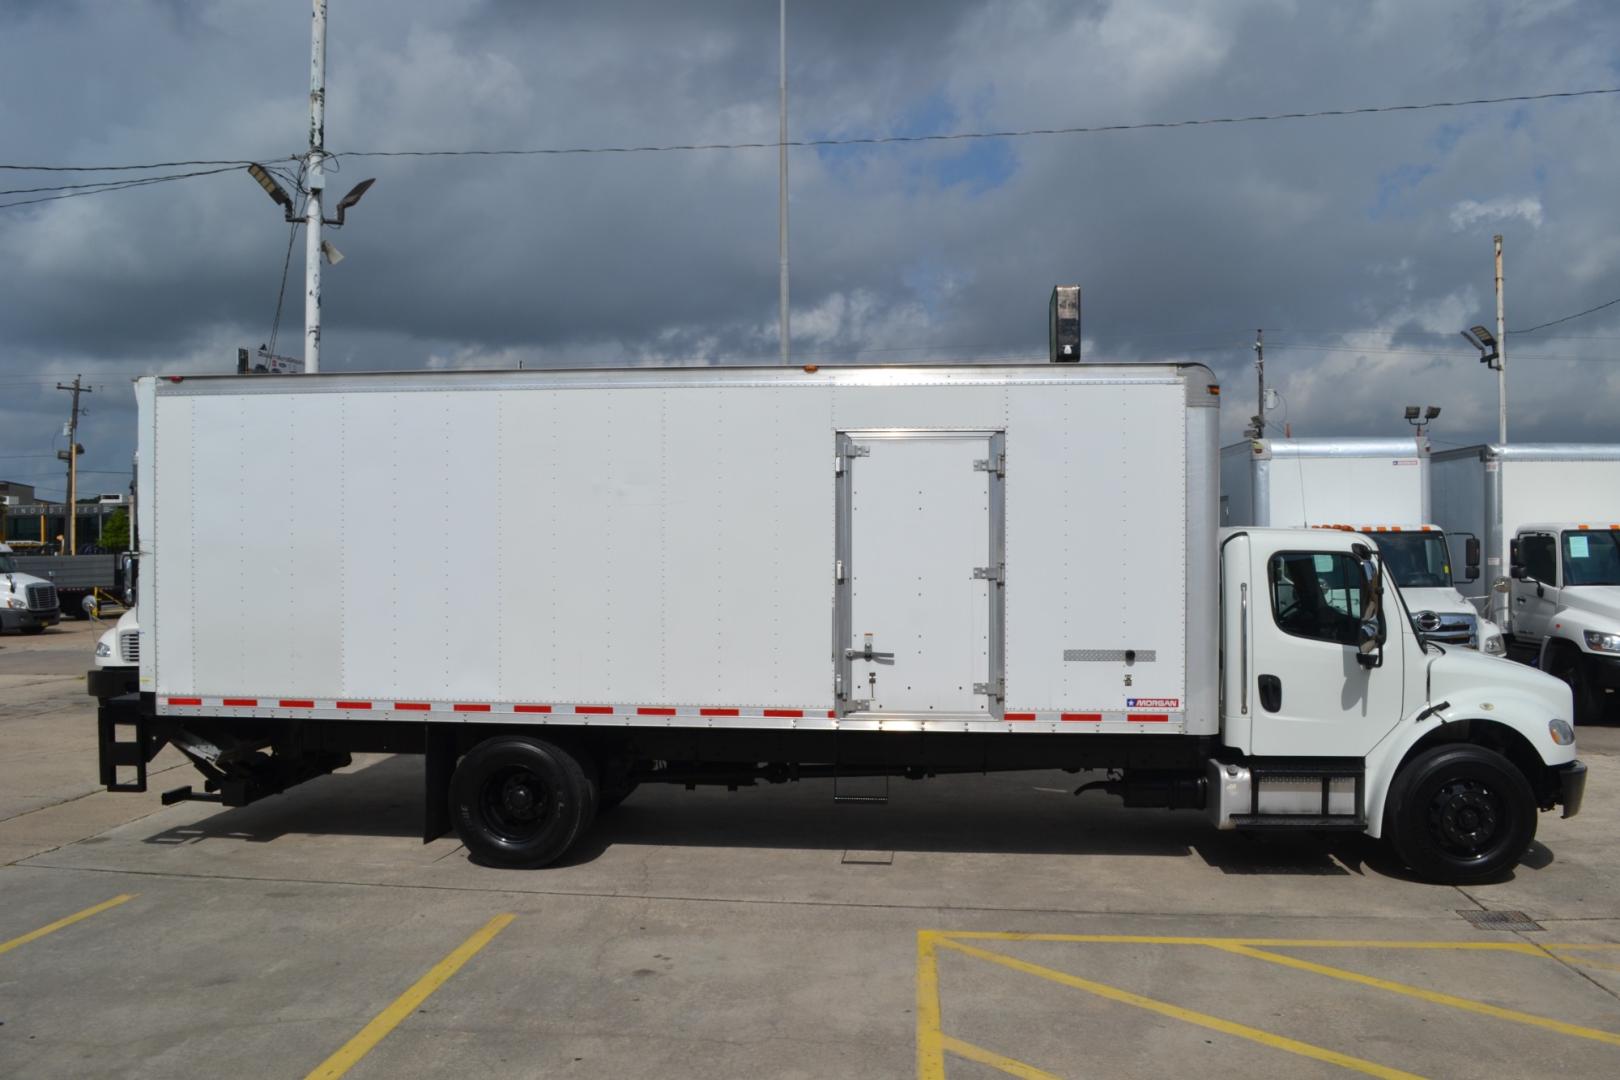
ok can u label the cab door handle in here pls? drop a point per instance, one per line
(1270, 693)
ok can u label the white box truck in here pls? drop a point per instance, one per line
(727, 576)
(1379, 487)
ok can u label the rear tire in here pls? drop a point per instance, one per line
(1460, 814)
(32, 629)
(521, 802)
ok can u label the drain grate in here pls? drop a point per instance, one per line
(1501, 920)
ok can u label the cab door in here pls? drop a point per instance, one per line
(1535, 595)
(1310, 695)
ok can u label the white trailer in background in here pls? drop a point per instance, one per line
(1380, 487)
(726, 576)
(1537, 499)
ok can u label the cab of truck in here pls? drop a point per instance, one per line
(27, 603)
(1564, 603)
(1419, 559)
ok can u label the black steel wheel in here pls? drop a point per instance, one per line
(519, 801)
(1460, 814)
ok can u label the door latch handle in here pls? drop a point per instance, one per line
(867, 654)
(1270, 693)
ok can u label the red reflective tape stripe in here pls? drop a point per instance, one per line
(832, 714)
(352, 704)
(718, 712)
(784, 712)
(477, 706)
(1084, 717)
(1150, 718)
(297, 703)
(655, 712)
(240, 701)
(412, 706)
(185, 701)
(531, 708)
(593, 709)
(1020, 716)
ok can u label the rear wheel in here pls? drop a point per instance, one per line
(1460, 814)
(521, 802)
(32, 629)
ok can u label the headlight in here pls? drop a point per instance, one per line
(103, 649)
(1599, 642)
(16, 602)
(1493, 645)
(1561, 732)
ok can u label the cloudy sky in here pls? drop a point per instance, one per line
(1361, 244)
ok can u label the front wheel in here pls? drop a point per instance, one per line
(521, 802)
(1460, 814)
(1568, 667)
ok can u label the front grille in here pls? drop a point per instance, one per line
(129, 646)
(41, 597)
(1456, 630)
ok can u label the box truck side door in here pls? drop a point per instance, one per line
(917, 626)
(1311, 695)
(1535, 595)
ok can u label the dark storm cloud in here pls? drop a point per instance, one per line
(1362, 244)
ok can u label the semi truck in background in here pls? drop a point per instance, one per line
(731, 576)
(1548, 514)
(27, 603)
(1380, 487)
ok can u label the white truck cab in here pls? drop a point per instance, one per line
(1420, 560)
(117, 662)
(1564, 599)
(27, 603)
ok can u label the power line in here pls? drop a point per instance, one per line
(131, 168)
(880, 140)
(1566, 318)
(117, 185)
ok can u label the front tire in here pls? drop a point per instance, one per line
(521, 802)
(1460, 814)
(1567, 666)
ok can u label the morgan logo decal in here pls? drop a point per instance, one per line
(1153, 703)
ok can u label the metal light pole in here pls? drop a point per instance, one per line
(1501, 352)
(316, 182)
(782, 170)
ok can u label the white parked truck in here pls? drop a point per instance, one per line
(1548, 489)
(734, 575)
(1379, 487)
(27, 603)
(1565, 599)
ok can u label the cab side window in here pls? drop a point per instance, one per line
(1317, 595)
(1540, 556)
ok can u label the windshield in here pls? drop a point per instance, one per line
(1592, 558)
(7, 565)
(1416, 560)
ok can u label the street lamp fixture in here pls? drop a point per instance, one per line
(273, 189)
(349, 200)
(1419, 416)
(1482, 339)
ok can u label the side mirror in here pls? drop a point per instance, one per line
(1369, 646)
(1515, 563)
(1471, 557)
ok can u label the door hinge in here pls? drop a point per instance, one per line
(987, 573)
(983, 465)
(858, 705)
(851, 450)
(838, 570)
(996, 689)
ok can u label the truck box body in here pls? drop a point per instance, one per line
(1539, 482)
(679, 548)
(1278, 483)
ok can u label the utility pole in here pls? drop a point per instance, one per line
(1260, 370)
(782, 176)
(73, 465)
(315, 173)
(1501, 352)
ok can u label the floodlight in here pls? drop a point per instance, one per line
(1431, 412)
(271, 188)
(1486, 338)
(1413, 412)
(350, 199)
(1482, 339)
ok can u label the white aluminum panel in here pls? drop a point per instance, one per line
(1346, 491)
(1458, 504)
(748, 545)
(145, 518)
(920, 524)
(957, 408)
(167, 609)
(1238, 464)
(1547, 491)
(1096, 547)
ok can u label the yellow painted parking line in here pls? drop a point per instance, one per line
(1466, 1004)
(358, 1047)
(996, 1061)
(78, 916)
(1571, 956)
(1272, 943)
(1175, 1012)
